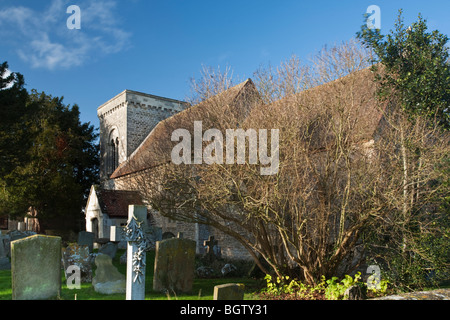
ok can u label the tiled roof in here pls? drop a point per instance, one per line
(352, 97)
(115, 202)
(357, 88)
(156, 147)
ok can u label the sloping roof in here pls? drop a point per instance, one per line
(356, 93)
(354, 96)
(115, 202)
(156, 147)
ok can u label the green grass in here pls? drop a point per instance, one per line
(202, 288)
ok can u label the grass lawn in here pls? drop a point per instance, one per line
(202, 289)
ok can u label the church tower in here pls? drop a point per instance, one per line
(125, 121)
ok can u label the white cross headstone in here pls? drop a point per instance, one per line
(137, 243)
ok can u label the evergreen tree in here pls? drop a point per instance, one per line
(416, 68)
(413, 70)
(13, 135)
(58, 163)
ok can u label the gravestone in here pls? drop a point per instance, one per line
(16, 234)
(107, 280)
(212, 249)
(135, 232)
(228, 269)
(36, 268)
(3, 248)
(7, 244)
(21, 226)
(174, 265)
(109, 249)
(167, 235)
(5, 264)
(229, 291)
(78, 255)
(86, 238)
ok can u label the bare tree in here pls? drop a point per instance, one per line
(336, 177)
(411, 237)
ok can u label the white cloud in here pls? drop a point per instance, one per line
(42, 38)
(47, 54)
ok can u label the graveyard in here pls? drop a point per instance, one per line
(202, 289)
(135, 266)
(41, 267)
(210, 278)
(169, 199)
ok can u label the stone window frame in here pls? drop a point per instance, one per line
(112, 153)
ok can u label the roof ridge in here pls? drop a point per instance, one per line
(239, 87)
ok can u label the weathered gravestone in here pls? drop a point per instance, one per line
(36, 268)
(229, 291)
(107, 280)
(16, 234)
(109, 249)
(78, 255)
(174, 265)
(86, 238)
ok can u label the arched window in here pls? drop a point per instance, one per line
(116, 154)
(113, 152)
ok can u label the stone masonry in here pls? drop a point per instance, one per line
(127, 119)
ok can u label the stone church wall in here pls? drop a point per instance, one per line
(112, 116)
(144, 113)
(130, 116)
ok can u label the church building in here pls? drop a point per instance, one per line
(135, 141)
(125, 121)
(128, 131)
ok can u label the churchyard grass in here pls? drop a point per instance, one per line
(5, 285)
(203, 289)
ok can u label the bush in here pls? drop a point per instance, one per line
(284, 288)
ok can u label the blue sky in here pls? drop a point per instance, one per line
(158, 46)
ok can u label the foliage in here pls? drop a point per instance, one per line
(281, 285)
(411, 242)
(294, 289)
(13, 122)
(334, 290)
(330, 289)
(377, 287)
(415, 67)
(58, 158)
(413, 73)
